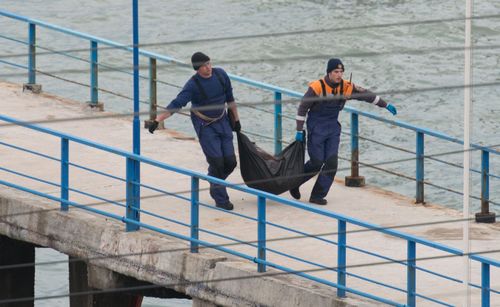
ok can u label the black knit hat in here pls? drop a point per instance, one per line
(333, 64)
(198, 59)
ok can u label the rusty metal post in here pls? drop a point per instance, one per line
(153, 98)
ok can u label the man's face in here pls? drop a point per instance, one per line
(205, 70)
(336, 75)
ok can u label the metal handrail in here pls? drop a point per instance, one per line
(260, 194)
(262, 85)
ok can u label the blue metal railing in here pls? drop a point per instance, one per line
(133, 210)
(131, 218)
(353, 180)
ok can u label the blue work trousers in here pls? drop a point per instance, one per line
(216, 140)
(322, 146)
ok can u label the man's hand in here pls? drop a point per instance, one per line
(391, 109)
(237, 126)
(299, 136)
(152, 126)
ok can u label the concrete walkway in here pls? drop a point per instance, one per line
(368, 203)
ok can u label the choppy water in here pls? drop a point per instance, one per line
(385, 59)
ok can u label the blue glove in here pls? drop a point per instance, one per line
(391, 109)
(299, 136)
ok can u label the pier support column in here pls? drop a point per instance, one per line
(202, 303)
(17, 282)
(83, 277)
(79, 282)
(101, 278)
(117, 299)
(104, 279)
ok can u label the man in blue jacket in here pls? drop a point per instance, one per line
(209, 90)
(322, 102)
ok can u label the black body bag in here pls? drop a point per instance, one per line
(273, 174)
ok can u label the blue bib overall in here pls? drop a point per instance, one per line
(215, 135)
(323, 138)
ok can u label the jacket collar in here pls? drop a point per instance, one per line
(330, 82)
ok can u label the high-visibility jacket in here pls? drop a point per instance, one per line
(332, 100)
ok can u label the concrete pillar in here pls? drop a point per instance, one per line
(202, 303)
(83, 277)
(117, 299)
(79, 282)
(100, 278)
(17, 282)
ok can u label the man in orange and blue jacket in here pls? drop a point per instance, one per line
(322, 103)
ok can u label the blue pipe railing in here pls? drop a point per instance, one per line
(31, 54)
(131, 218)
(195, 212)
(420, 168)
(411, 274)
(354, 180)
(94, 93)
(278, 134)
(341, 257)
(261, 233)
(64, 173)
(132, 212)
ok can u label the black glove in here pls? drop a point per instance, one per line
(152, 126)
(237, 126)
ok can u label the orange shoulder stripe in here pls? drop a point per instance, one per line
(316, 86)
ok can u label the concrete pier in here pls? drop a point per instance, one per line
(164, 261)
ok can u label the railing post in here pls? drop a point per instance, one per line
(133, 204)
(32, 54)
(31, 85)
(411, 275)
(261, 234)
(94, 77)
(420, 168)
(278, 129)
(355, 180)
(485, 284)
(195, 194)
(341, 257)
(64, 173)
(485, 216)
(153, 98)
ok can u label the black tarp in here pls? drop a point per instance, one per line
(273, 174)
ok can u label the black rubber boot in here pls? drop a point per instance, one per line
(318, 201)
(227, 206)
(295, 192)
